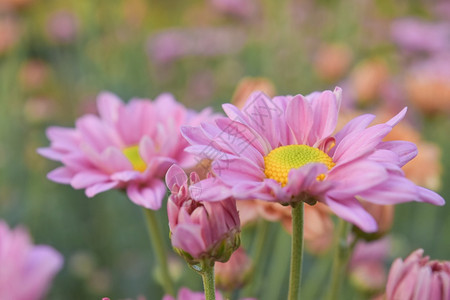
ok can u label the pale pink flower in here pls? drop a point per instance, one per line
(187, 294)
(283, 149)
(238, 8)
(128, 146)
(26, 270)
(366, 267)
(203, 230)
(418, 277)
(418, 35)
(172, 44)
(234, 273)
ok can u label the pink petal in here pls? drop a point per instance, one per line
(62, 137)
(50, 153)
(95, 132)
(359, 143)
(126, 176)
(236, 170)
(304, 179)
(195, 135)
(242, 137)
(88, 178)
(211, 189)
(355, 177)
(394, 121)
(188, 238)
(108, 106)
(357, 124)
(175, 175)
(113, 160)
(261, 112)
(61, 175)
(405, 150)
(100, 187)
(147, 149)
(325, 110)
(149, 196)
(428, 196)
(352, 211)
(395, 190)
(395, 275)
(299, 117)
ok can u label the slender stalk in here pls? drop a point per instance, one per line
(257, 254)
(208, 282)
(341, 256)
(296, 251)
(160, 250)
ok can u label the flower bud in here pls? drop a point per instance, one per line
(201, 231)
(235, 272)
(418, 277)
(366, 268)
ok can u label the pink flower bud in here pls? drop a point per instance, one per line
(418, 277)
(200, 230)
(187, 294)
(235, 272)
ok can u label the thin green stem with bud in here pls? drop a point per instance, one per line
(207, 273)
(296, 251)
(159, 247)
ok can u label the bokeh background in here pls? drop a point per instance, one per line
(57, 55)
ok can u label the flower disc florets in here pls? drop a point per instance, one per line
(280, 161)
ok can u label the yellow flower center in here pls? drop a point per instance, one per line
(132, 153)
(281, 160)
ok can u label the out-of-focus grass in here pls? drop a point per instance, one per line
(103, 240)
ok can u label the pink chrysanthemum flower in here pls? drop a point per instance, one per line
(283, 149)
(26, 270)
(128, 146)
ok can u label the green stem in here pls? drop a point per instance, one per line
(341, 256)
(296, 251)
(257, 254)
(159, 247)
(208, 282)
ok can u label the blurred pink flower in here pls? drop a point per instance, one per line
(187, 294)
(416, 35)
(173, 44)
(26, 271)
(283, 149)
(418, 277)
(63, 26)
(366, 267)
(234, 273)
(202, 230)
(129, 146)
(238, 8)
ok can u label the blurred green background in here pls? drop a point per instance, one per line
(57, 55)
